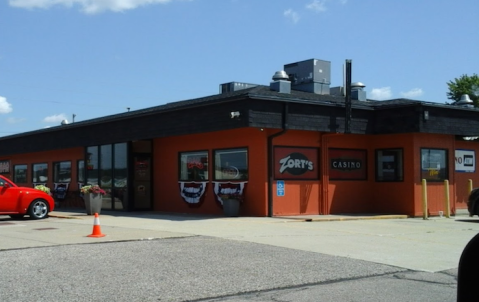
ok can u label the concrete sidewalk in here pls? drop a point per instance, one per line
(428, 245)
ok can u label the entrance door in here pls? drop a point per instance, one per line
(142, 182)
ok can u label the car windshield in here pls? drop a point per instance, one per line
(3, 181)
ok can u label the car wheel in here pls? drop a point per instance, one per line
(16, 216)
(38, 209)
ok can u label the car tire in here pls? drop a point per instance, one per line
(38, 209)
(472, 202)
(16, 216)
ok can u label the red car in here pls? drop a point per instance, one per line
(20, 201)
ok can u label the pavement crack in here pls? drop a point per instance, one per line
(292, 287)
(449, 279)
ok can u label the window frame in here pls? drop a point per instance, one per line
(15, 180)
(56, 174)
(33, 172)
(398, 165)
(429, 176)
(238, 149)
(197, 153)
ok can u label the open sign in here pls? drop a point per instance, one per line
(465, 160)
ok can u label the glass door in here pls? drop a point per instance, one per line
(142, 181)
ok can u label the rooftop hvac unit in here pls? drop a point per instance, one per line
(234, 86)
(311, 75)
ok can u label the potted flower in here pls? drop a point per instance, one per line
(43, 188)
(231, 203)
(93, 197)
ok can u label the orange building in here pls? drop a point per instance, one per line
(295, 147)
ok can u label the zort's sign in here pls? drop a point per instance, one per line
(296, 163)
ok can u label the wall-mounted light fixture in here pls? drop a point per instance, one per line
(235, 114)
(426, 115)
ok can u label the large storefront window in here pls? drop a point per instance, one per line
(20, 174)
(106, 166)
(120, 175)
(193, 166)
(92, 165)
(231, 164)
(62, 171)
(40, 173)
(434, 164)
(105, 172)
(389, 165)
(81, 171)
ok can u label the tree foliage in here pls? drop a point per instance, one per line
(464, 85)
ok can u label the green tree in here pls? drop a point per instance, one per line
(464, 85)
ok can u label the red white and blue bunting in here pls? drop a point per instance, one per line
(228, 188)
(191, 191)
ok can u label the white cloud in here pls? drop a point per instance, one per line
(55, 118)
(5, 107)
(14, 120)
(413, 93)
(317, 6)
(382, 93)
(291, 14)
(87, 6)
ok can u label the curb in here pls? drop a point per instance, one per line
(306, 218)
(345, 218)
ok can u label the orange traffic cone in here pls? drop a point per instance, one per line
(96, 228)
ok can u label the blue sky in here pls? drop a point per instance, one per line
(92, 58)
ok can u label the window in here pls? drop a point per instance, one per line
(193, 165)
(81, 171)
(92, 165)
(389, 165)
(231, 164)
(20, 174)
(106, 157)
(40, 173)
(106, 166)
(434, 164)
(120, 168)
(62, 171)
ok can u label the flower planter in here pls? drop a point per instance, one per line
(93, 203)
(231, 207)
